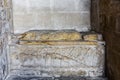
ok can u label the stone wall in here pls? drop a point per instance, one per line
(106, 19)
(51, 14)
(5, 25)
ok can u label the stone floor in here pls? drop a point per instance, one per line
(53, 78)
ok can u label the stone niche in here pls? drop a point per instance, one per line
(51, 15)
(51, 38)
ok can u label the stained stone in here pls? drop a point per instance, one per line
(72, 54)
(93, 37)
(58, 59)
(51, 35)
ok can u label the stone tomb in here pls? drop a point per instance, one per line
(30, 55)
(40, 43)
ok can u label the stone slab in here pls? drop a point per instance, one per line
(57, 60)
(51, 15)
(47, 35)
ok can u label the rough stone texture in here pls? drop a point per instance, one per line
(5, 25)
(57, 59)
(51, 35)
(92, 37)
(39, 59)
(54, 78)
(51, 14)
(106, 19)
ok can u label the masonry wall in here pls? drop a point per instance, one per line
(51, 14)
(106, 20)
(5, 29)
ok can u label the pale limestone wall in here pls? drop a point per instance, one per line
(51, 14)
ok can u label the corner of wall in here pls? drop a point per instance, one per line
(5, 30)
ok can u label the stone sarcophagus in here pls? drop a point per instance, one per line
(44, 51)
(72, 54)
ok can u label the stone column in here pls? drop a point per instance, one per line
(5, 30)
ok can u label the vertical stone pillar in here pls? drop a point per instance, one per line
(5, 30)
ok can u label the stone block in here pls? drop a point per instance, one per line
(23, 22)
(43, 21)
(57, 59)
(19, 6)
(50, 15)
(83, 5)
(71, 5)
(77, 21)
(51, 21)
(39, 5)
(51, 35)
(28, 6)
(93, 37)
(64, 5)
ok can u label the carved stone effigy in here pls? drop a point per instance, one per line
(57, 58)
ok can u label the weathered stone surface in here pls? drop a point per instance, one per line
(4, 30)
(54, 78)
(82, 58)
(56, 43)
(57, 60)
(51, 35)
(106, 20)
(2, 14)
(93, 37)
